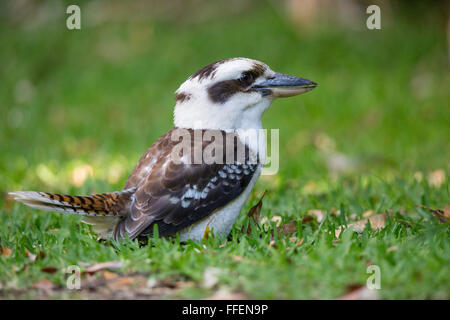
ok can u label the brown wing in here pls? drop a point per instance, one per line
(175, 195)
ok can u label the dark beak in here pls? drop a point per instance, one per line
(283, 85)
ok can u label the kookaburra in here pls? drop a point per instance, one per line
(182, 196)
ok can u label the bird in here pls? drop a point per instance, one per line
(172, 192)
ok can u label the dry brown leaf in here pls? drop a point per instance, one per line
(44, 284)
(393, 248)
(297, 243)
(122, 282)
(254, 213)
(277, 220)
(9, 200)
(174, 283)
(377, 222)
(207, 231)
(30, 256)
(447, 211)
(335, 212)
(288, 228)
(5, 252)
(367, 214)
(307, 219)
(436, 178)
(442, 215)
(316, 213)
(109, 275)
(104, 265)
(211, 277)
(50, 270)
(361, 293)
(224, 294)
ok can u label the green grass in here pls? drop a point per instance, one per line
(102, 95)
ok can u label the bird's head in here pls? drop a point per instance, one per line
(232, 94)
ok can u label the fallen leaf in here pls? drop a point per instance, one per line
(367, 214)
(436, 178)
(447, 211)
(151, 282)
(225, 294)
(442, 215)
(44, 284)
(121, 283)
(210, 277)
(109, 275)
(352, 287)
(207, 229)
(277, 220)
(297, 243)
(81, 173)
(50, 270)
(377, 222)
(104, 265)
(390, 249)
(9, 200)
(30, 256)
(316, 213)
(288, 228)
(361, 293)
(254, 213)
(418, 176)
(307, 219)
(174, 283)
(5, 252)
(335, 212)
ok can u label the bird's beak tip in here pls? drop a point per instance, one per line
(283, 85)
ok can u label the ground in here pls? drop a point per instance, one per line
(80, 107)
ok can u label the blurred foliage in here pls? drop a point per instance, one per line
(103, 94)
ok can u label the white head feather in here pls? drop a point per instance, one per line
(242, 110)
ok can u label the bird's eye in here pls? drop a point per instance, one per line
(246, 78)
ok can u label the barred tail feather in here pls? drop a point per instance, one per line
(104, 204)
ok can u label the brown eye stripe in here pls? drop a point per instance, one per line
(222, 91)
(181, 97)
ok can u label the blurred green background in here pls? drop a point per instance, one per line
(79, 107)
(96, 98)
